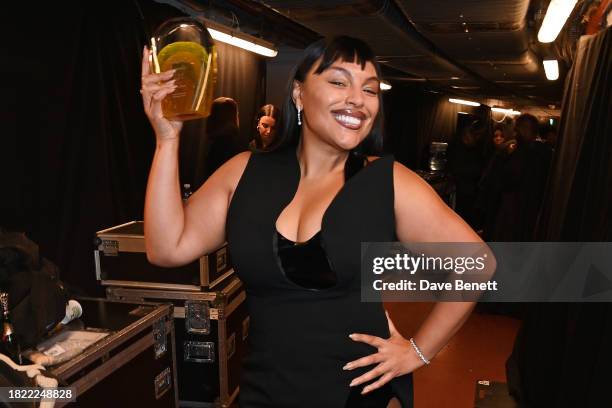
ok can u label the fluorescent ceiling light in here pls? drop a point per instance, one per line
(463, 102)
(241, 43)
(506, 111)
(551, 67)
(462, 113)
(554, 20)
(385, 86)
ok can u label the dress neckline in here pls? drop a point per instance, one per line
(300, 243)
(296, 178)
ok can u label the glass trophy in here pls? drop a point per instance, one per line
(184, 44)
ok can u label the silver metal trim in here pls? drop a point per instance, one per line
(193, 359)
(204, 272)
(161, 383)
(221, 278)
(197, 404)
(204, 306)
(104, 231)
(234, 304)
(124, 292)
(98, 267)
(221, 253)
(151, 285)
(223, 364)
(246, 323)
(231, 346)
(179, 312)
(160, 338)
(232, 398)
(174, 370)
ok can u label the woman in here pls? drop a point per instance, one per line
(223, 134)
(466, 161)
(295, 218)
(498, 136)
(265, 124)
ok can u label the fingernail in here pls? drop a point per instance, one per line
(364, 391)
(346, 367)
(351, 336)
(352, 384)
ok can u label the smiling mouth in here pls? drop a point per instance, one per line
(349, 121)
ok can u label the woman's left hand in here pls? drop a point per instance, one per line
(395, 357)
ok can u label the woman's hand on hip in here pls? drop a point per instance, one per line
(395, 357)
(154, 88)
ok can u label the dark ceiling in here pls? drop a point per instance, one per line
(483, 49)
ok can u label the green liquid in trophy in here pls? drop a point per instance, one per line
(195, 76)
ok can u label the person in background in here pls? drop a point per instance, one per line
(466, 161)
(222, 130)
(489, 186)
(522, 177)
(548, 134)
(265, 125)
(498, 136)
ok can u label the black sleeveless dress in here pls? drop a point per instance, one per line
(300, 321)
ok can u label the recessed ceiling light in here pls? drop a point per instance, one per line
(463, 102)
(551, 68)
(557, 13)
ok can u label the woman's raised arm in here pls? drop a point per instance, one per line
(177, 233)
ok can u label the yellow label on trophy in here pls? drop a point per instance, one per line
(185, 45)
(194, 83)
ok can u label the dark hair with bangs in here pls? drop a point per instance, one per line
(328, 51)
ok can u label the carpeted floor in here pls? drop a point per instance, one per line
(477, 352)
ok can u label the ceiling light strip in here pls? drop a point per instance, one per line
(506, 111)
(556, 15)
(463, 102)
(241, 43)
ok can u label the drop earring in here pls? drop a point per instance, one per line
(299, 116)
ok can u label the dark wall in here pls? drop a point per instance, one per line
(76, 146)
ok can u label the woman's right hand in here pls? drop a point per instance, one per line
(155, 87)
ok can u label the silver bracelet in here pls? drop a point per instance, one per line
(418, 351)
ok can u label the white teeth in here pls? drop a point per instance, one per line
(349, 120)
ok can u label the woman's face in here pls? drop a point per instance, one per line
(339, 105)
(498, 137)
(265, 127)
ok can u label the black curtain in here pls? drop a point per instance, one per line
(241, 77)
(76, 145)
(562, 354)
(578, 204)
(413, 119)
